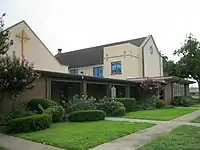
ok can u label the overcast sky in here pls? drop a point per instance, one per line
(76, 24)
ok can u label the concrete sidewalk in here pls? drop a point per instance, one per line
(136, 140)
(14, 143)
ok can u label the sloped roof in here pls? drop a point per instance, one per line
(90, 56)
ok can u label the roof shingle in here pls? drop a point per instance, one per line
(90, 56)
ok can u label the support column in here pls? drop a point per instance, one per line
(186, 86)
(108, 90)
(48, 87)
(168, 93)
(127, 91)
(84, 87)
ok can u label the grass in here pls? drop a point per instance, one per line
(82, 136)
(181, 138)
(3, 148)
(159, 114)
(197, 120)
(196, 105)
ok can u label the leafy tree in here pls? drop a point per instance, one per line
(170, 67)
(16, 75)
(4, 37)
(189, 63)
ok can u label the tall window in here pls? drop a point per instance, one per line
(74, 71)
(116, 67)
(98, 71)
(178, 89)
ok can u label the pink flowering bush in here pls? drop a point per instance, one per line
(148, 90)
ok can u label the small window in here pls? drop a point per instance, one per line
(98, 71)
(116, 67)
(74, 71)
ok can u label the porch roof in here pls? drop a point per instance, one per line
(164, 79)
(82, 77)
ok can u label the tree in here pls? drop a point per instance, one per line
(189, 63)
(4, 37)
(170, 67)
(16, 75)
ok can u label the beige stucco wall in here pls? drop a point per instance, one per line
(88, 70)
(34, 50)
(152, 62)
(128, 54)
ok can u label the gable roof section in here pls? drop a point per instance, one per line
(90, 56)
(35, 36)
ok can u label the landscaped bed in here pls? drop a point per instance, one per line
(160, 114)
(82, 136)
(181, 138)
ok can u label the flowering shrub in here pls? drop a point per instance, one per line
(149, 88)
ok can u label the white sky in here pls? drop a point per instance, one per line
(77, 24)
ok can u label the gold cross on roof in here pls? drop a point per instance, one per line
(22, 37)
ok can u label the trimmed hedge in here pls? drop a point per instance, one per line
(29, 123)
(45, 103)
(119, 112)
(87, 115)
(57, 112)
(129, 103)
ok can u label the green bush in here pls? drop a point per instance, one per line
(45, 103)
(86, 115)
(57, 112)
(129, 103)
(29, 123)
(184, 101)
(20, 112)
(119, 112)
(84, 105)
(160, 104)
(108, 106)
(2, 118)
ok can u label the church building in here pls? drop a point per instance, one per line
(93, 71)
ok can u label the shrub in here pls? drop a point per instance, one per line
(160, 104)
(84, 105)
(2, 117)
(57, 112)
(119, 112)
(21, 112)
(29, 123)
(129, 103)
(108, 106)
(45, 103)
(184, 101)
(86, 115)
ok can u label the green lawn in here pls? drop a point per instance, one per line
(160, 114)
(196, 105)
(197, 120)
(2, 148)
(82, 136)
(181, 138)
